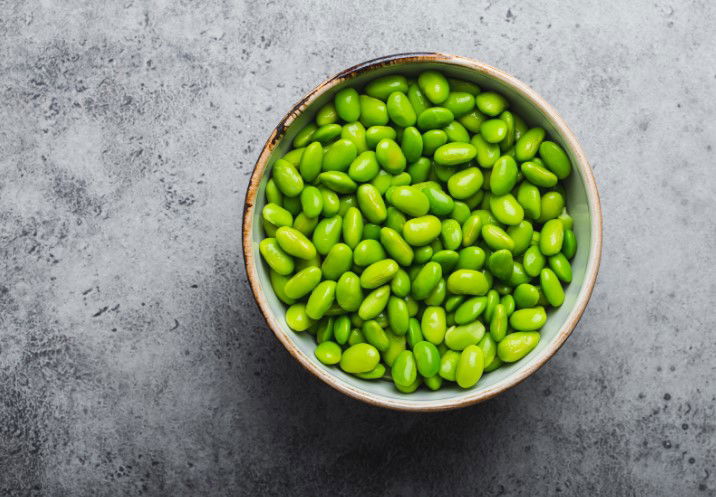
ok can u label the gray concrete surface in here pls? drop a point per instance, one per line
(133, 359)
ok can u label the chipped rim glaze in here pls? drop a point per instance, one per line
(581, 163)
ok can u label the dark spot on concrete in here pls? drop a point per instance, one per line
(685, 426)
(667, 396)
(100, 311)
(666, 444)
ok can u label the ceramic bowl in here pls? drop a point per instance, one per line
(582, 202)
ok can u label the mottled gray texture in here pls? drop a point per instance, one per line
(133, 359)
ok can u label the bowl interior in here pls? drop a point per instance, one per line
(558, 323)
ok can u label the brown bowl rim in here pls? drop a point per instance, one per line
(581, 163)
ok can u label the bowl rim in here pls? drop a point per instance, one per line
(581, 163)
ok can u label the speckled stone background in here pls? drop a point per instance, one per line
(133, 360)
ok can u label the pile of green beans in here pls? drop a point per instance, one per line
(419, 231)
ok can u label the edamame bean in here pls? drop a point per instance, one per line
(368, 251)
(433, 324)
(397, 345)
(456, 132)
(528, 319)
(486, 153)
(528, 144)
(396, 246)
(526, 295)
(326, 133)
(506, 209)
(465, 183)
(398, 316)
(551, 237)
(521, 235)
(538, 175)
(555, 159)
(326, 234)
(275, 257)
(278, 216)
(347, 103)
(352, 227)
(501, 263)
(287, 178)
(374, 134)
(473, 120)
(493, 130)
(378, 274)
(297, 319)
(303, 282)
(338, 260)
(517, 345)
(400, 110)
(371, 203)
(303, 137)
(329, 353)
(460, 212)
(446, 258)
(382, 87)
(471, 258)
(491, 103)
(552, 205)
(374, 303)
(349, 293)
(432, 140)
(415, 334)
(400, 284)
(421, 230)
(426, 280)
(427, 358)
(569, 244)
(470, 366)
(459, 103)
(359, 358)
(452, 154)
(498, 323)
(320, 299)
(448, 365)
(434, 86)
(451, 235)
(561, 267)
(404, 371)
(434, 117)
(460, 337)
(374, 374)
(410, 200)
(411, 144)
(551, 287)
(278, 283)
(503, 176)
(341, 328)
(497, 238)
(375, 335)
(373, 112)
(470, 310)
(467, 282)
(533, 261)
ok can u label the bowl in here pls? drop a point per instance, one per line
(582, 202)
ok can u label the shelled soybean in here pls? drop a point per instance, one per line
(418, 230)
